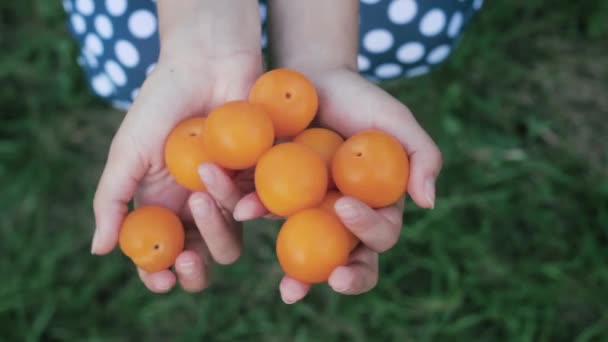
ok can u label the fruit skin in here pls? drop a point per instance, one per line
(323, 141)
(290, 99)
(311, 244)
(184, 151)
(152, 237)
(329, 204)
(290, 177)
(237, 133)
(373, 167)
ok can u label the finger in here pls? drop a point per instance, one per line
(424, 156)
(223, 239)
(122, 172)
(292, 290)
(250, 207)
(359, 276)
(191, 271)
(348, 93)
(157, 282)
(373, 228)
(220, 186)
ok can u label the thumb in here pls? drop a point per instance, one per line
(424, 156)
(116, 187)
(349, 104)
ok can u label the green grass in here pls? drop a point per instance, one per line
(514, 251)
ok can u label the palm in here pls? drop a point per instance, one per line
(349, 104)
(136, 170)
(167, 97)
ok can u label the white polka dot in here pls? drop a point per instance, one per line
(438, 54)
(116, 7)
(134, 93)
(388, 70)
(142, 24)
(122, 105)
(93, 43)
(90, 58)
(126, 53)
(477, 4)
(410, 52)
(455, 25)
(78, 23)
(370, 2)
(418, 71)
(117, 75)
(363, 63)
(432, 23)
(85, 7)
(402, 11)
(150, 68)
(263, 12)
(378, 40)
(67, 5)
(264, 39)
(103, 25)
(102, 85)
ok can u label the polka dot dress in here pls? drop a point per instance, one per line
(119, 42)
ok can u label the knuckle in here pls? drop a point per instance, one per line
(389, 242)
(436, 156)
(99, 205)
(373, 281)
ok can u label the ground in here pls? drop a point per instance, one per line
(515, 249)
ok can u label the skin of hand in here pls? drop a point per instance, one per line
(347, 104)
(210, 54)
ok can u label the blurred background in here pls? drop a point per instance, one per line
(515, 250)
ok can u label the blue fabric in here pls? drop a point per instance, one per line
(119, 43)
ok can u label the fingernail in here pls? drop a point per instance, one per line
(342, 277)
(207, 175)
(429, 188)
(187, 267)
(243, 211)
(289, 301)
(346, 211)
(163, 284)
(95, 242)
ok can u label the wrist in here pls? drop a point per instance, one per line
(208, 29)
(314, 35)
(319, 70)
(315, 66)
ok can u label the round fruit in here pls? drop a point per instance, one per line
(289, 98)
(323, 141)
(290, 177)
(237, 133)
(373, 167)
(184, 152)
(329, 204)
(311, 244)
(329, 201)
(152, 237)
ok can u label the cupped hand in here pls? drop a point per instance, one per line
(348, 103)
(179, 87)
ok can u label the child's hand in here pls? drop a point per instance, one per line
(348, 104)
(199, 69)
